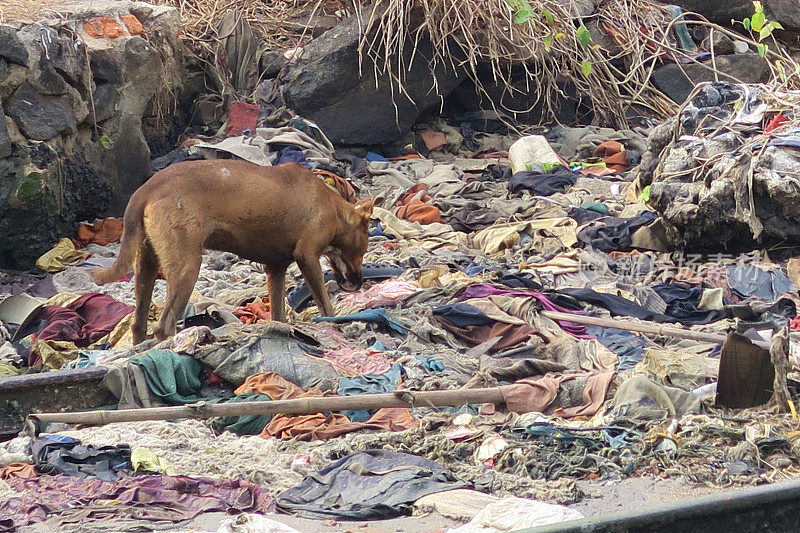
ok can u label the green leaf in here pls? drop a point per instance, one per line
(757, 22)
(758, 7)
(548, 40)
(765, 32)
(106, 142)
(586, 68)
(584, 36)
(776, 25)
(644, 196)
(522, 11)
(762, 49)
(548, 16)
(746, 23)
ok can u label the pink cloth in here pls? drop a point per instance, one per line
(388, 292)
(536, 394)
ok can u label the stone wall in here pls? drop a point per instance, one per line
(82, 99)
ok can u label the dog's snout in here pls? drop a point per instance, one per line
(351, 283)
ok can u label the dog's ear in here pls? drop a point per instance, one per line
(364, 207)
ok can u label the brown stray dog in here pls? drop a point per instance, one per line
(272, 215)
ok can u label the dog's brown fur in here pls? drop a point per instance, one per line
(272, 215)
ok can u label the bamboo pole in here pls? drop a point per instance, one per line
(643, 327)
(298, 406)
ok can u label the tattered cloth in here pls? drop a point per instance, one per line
(179, 497)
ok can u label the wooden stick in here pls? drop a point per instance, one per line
(642, 327)
(298, 406)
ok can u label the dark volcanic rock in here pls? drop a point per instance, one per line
(325, 86)
(678, 81)
(105, 64)
(105, 99)
(787, 12)
(68, 58)
(38, 116)
(47, 80)
(271, 63)
(11, 48)
(5, 138)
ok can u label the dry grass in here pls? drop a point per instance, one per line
(547, 47)
(28, 9)
(275, 21)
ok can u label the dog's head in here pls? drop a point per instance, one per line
(348, 253)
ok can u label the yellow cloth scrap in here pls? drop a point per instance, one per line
(62, 299)
(144, 460)
(55, 354)
(440, 276)
(7, 369)
(63, 255)
(122, 336)
(499, 237)
(564, 263)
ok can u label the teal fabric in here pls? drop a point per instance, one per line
(246, 424)
(368, 384)
(174, 378)
(598, 207)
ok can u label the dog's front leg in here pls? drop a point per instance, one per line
(312, 272)
(277, 284)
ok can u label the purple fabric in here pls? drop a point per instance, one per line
(46, 496)
(482, 290)
(291, 154)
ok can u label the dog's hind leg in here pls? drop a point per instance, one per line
(145, 272)
(309, 266)
(277, 291)
(181, 277)
(179, 248)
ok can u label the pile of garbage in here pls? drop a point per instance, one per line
(531, 267)
(723, 173)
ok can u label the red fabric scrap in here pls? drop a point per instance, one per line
(775, 122)
(242, 116)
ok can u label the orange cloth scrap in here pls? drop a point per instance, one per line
(102, 232)
(22, 470)
(413, 206)
(317, 426)
(255, 312)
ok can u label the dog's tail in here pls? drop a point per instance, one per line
(132, 238)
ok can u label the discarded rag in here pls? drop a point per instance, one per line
(376, 316)
(320, 425)
(536, 394)
(58, 258)
(174, 378)
(613, 233)
(181, 497)
(64, 455)
(543, 183)
(244, 424)
(368, 384)
(367, 485)
(628, 346)
(748, 280)
(682, 300)
(102, 232)
(84, 321)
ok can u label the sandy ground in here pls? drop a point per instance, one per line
(625, 495)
